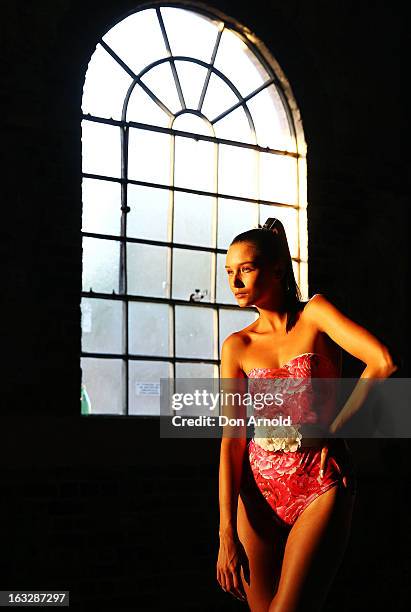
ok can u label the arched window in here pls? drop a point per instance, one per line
(190, 134)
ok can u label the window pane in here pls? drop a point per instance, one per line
(101, 265)
(194, 164)
(194, 159)
(101, 149)
(270, 120)
(149, 332)
(144, 386)
(196, 370)
(219, 98)
(234, 320)
(193, 219)
(194, 332)
(161, 82)
(278, 178)
(101, 324)
(235, 126)
(101, 207)
(237, 171)
(192, 77)
(224, 293)
(302, 279)
(103, 379)
(190, 122)
(234, 217)
(289, 218)
(142, 109)
(137, 39)
(303, 233)
(189, 33)
(148, 216)
(105, 86)
(239, 63)
(191, 271)
(147, 270)
(149, 156)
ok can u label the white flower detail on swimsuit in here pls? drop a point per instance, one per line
(286, 438)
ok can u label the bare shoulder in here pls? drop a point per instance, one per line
(240, 338)
(316, 307)
(234, 342)
(231, 355)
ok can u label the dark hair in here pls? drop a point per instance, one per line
(273, 247)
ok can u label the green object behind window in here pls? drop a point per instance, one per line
(85, 401)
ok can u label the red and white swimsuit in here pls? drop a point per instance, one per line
(290, 480)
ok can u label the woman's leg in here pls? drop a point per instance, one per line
(314, 550)
(264, 543)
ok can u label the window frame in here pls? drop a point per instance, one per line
(278, 79)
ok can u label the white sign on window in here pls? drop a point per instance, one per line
(147, 388)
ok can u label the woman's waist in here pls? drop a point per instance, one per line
(304, 443)
(291, 437)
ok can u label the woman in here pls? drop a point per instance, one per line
(285, 509)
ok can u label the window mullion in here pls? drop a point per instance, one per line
(172, 63)
(215, 256)
(123, 262)
(172, 334)
(209, 71)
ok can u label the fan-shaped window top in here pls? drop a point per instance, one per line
(188, 138)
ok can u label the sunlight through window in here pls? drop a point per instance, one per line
(190, 135)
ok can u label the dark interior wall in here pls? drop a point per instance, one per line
(102, 506)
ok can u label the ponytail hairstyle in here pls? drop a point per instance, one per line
(270, 242)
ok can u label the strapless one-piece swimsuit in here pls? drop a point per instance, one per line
(289, 480)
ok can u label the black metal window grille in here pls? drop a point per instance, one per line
(123, 242)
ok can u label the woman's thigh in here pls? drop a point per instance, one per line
(314, 550)
(264, 543)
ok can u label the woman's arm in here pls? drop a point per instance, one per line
(360, 343)
(233, 443)
(231, 555)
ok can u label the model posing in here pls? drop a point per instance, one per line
(286, 508)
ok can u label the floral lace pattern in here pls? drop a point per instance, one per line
(276, 467)
(296, 385)
(289, 482)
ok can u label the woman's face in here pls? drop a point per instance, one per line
(252, 280)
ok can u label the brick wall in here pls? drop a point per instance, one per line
(145, 537)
